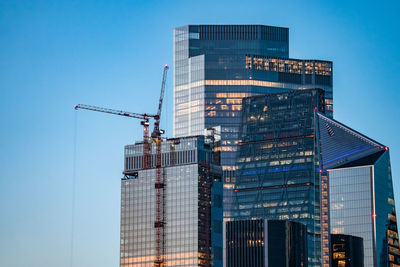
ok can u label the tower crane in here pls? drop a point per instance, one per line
(160, 183)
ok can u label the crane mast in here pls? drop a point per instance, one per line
(160, 182)
(156, 132)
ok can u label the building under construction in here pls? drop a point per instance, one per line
(171, 196)
(190, 232)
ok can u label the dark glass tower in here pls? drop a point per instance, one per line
(259, 243)
(347, 251)
(360, 190)
(277, 161)
(215, 66)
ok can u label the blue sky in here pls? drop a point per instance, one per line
(54, 54)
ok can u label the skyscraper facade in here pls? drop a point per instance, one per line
(296, 163)
(277, 161)
(360, 190)
(215, 66)
(261, 242)
(347, 251)
(192, 205)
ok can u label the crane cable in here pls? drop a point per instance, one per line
(71, 260)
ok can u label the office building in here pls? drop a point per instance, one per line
(359, 189)
(261, 242)
(215, 66)
(192, 205)
(278, 171)
(347, 251)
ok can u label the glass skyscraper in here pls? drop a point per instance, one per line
(277, 161)
(296, 163)
(360, 190)
(215, 66)
(192, 205)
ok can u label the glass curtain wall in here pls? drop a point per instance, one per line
(215, 66)
(277, 161)
(350, 192)
(192, 181)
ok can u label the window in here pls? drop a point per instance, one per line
(339, 255)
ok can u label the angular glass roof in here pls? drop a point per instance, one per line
(339, 144)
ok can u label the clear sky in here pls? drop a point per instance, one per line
(54, 54)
